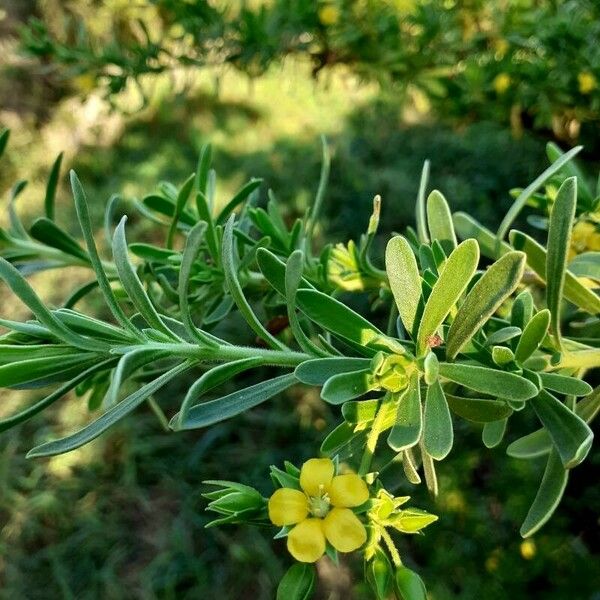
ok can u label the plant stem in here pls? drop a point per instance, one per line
(391, 547)
(373, 437)
(283, 358)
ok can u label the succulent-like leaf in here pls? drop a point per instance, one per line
(452, 282)
(559, 240)
(484, 299)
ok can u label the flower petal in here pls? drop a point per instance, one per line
(287, 507)
(343, 530)
(306, 542)
(315, 473)
(348, 490)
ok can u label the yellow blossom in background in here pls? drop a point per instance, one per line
(587, 82)
(85, 83)
(527, 549)
(501, 83)
(321, 511)
(501, 47)
(585, 238)
(329, 15)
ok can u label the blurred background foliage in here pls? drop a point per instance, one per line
(130, 91)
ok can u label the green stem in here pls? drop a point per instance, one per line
(391, 547)
(373, 437)
(219, 353)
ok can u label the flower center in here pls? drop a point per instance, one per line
(319, 505)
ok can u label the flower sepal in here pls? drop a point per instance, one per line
(235, 502)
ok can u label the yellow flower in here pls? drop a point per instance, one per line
(587, 82)
(501, 47)
(501, 83)
(329, 15)
(585, 238)
(527, 549)
(321, 511)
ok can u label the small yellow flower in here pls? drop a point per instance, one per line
(528, 549)
(501, 83)
(585, 238)
(344, 271)
(587, 82)
(321, 512)
(329, 15)
(501, 47)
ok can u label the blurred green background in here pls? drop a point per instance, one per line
(123, 517)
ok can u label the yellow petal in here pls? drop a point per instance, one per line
(343, 530)
(316, 475)
(306, 542)
(348, 490)
(287, 507)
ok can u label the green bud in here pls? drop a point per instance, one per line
(409, 585)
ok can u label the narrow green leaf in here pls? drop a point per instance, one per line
(182, 198)
(438, 435)
(570, 434)
(346, 386)
(317, 371)
(334, 316)
(559, 241)
(4, 135)
(209, 380)
(539, 443)
(236, 403)
(498, 384)
(548, 496)
(240, 197)
(164, 206)
(132, 284)
(420, 208)
(571, 169)
(569, 386)
(533, 335)
(293, 278)
(404, 278)
(452, 282)
(522, 198)
(189, 256)
(51, 187)
(47, 232)
(406, 432)
(274, 270)
(42, 404)
(17, 229)
(109, 418)
(467, 227)
(24, 291)
(35, 372)
(502, 335)
(128, 364)
(574, 290)
(493, 432)
(484, 299)
(83, 216)
(235, 289)
(204, 162)
(478, 410)
(439, 219)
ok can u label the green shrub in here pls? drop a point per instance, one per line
(482, 330)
